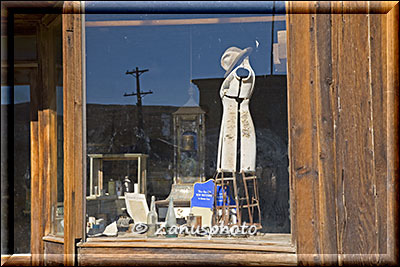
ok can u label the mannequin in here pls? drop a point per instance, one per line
(235, 93)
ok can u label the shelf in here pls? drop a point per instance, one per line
(104, 197)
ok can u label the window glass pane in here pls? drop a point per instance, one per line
(22, 173)
(159, 94)
(58, 227)
(24, 51)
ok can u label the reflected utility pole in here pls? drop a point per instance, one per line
(136, 73)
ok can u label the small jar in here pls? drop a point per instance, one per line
(111, 187)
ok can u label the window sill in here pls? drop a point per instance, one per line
(280, 243)
(16, 260)
(275, 249)
(54, 239)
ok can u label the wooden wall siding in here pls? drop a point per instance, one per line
(338, 127)
(351, 7)
(54, 253)
(73, 156)
(43, 141)
(36, 204)
(47, 124)
(392, 133)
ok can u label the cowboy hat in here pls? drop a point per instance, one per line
(232, 56)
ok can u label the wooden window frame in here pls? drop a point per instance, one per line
(311, 230)
(275, 243)
(306, 161)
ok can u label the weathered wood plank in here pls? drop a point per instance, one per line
(16, 260)
(270, 242)
(45, 166)
(44, 132)
(68, 94)
(355, 7)
(191, 245)
(36, 216)
(44, 150)
(337, 40)
(73, 176)
(348, 80)
(52, 201)
(378, 83)
(175, 257)
(325, 136)
(268, 239)
(392, 134)
(78, 125)
(54, 253)
(54, 239)
(68, 82)
(354, 146)
(45, 57)
(302, 133)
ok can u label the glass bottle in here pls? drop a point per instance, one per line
(152, 218)
(127, 183)
(170, 221)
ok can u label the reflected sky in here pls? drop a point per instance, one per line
(174, 55)
(21, 94)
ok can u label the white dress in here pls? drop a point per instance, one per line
(235, 95)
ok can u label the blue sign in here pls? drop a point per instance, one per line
(203, 195)
(229, 199)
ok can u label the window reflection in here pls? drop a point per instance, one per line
(177, 125)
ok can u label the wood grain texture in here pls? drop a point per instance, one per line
(343, 144)
(341, 62)
(78, 125)
(36, 205)
(54, 253)
(354, 134)
(43, 143)
(48, 103)
(73, 157)
(269, 243)
(378, 83)
(68, 82)
(40, 197)
(16, 260)
(179, 257)
(355, 7)
(323, 89)
(302, 135)
(273, 249)
(392, 93)
(190, 245)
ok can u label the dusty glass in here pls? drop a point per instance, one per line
(154, 113)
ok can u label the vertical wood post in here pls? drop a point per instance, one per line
(393, 131)
(36, 204)
(73, 153)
